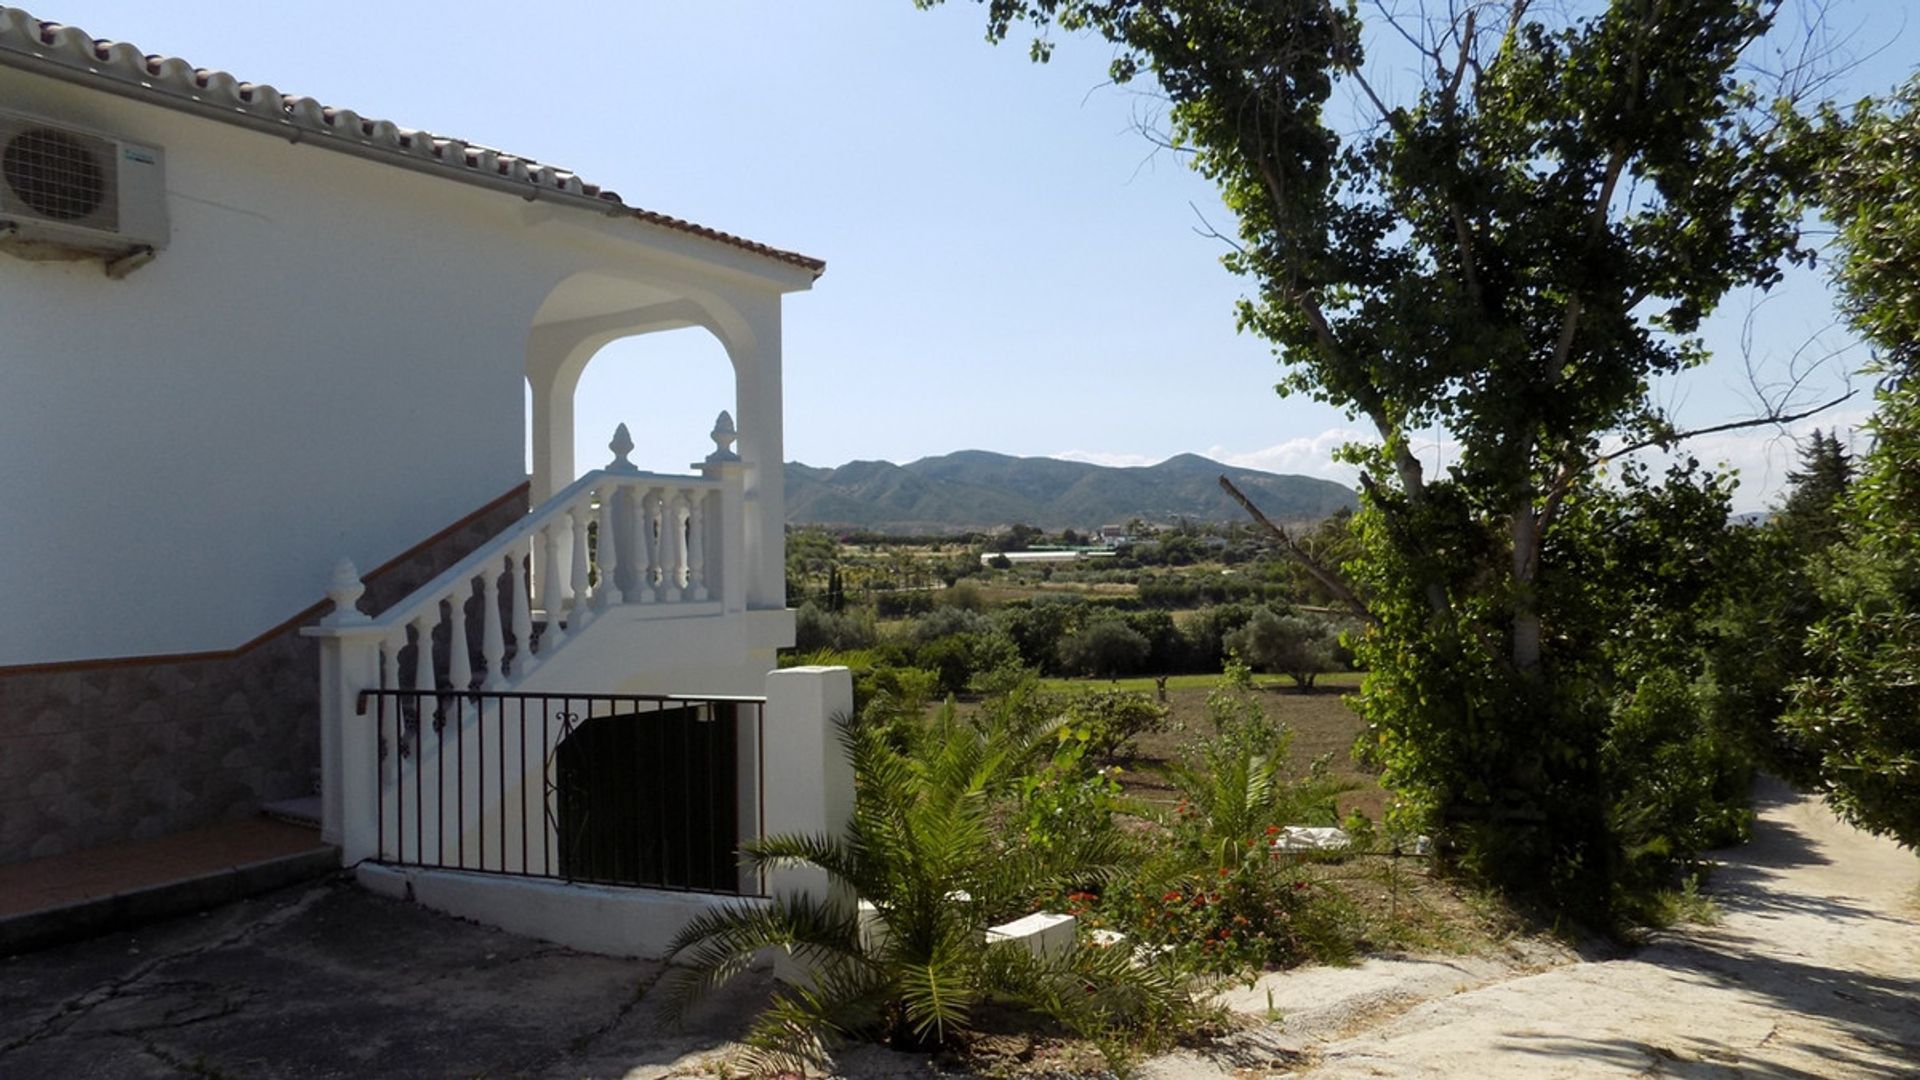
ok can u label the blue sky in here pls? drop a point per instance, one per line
(1009, 266)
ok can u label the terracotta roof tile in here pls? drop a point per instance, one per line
(29, 42)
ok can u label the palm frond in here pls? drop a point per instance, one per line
(717, 945)
(938, 999)
(1093, 992)
(800, 1026)
(842, 859)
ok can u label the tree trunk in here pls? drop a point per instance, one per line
(1525, 530)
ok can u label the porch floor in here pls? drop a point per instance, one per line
(64, 897)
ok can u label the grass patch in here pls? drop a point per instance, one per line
(1686, 904)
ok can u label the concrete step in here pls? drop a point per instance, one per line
(303, 811)
(81, 894)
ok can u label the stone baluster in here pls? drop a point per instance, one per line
(697, 546)
(553, 587)
(552, 591)
(580, 611)
(390, 647)
(423, 625)
(607, 547)
(642, 525)
(656, 517)
(610, 502)
(493, 642)
(459, 653)
(673, 538)
(521, 598)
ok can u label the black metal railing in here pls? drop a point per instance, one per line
(647, 790)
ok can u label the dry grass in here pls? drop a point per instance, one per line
(1321, 722)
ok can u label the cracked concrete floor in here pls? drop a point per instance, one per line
(326, 980)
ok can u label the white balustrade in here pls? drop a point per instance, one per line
(641, 522)
(675, 540)
(661, 546)
(655, 535)
(697, 546)
(607, 552)
(493, 641)
(578, 611)
(520, 595)
(459, 652)
(423, 625)
(552, 593)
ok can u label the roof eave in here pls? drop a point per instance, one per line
(124, 71)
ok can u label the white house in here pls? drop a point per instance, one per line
(252, 343)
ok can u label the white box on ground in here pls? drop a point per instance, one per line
(1045, 934)
(1310, 838)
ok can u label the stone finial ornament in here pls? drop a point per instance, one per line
(622, 445)
(345, 591)
(723, 439)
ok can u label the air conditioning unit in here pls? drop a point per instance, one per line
(70, 193)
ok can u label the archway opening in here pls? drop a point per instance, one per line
(667, 387)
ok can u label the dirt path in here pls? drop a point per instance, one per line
(1813, 971)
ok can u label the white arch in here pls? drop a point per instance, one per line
(584, 312)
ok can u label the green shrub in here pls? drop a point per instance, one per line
(816, 628)
(1678, 790)
(1107, 722)
(923, 830)
(1299, 647)
(1106, 648)
(1210, 890)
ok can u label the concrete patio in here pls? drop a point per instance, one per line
(328, 980)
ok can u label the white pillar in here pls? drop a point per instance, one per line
(808, 780)
(757, 372)
(555, 360)
(349, 663)
(552, 438)
(732, 566)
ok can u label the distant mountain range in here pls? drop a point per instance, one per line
(976, 489)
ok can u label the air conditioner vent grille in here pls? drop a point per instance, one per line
(61, 175)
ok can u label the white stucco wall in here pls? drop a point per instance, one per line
(326, 361)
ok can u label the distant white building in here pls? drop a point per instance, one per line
(1058, 555)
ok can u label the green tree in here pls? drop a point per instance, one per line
(1772, 601)
(1856, 714)
(1293, 645)
(1107, 648)
(1508, 255)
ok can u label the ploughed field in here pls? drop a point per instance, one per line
(1321, 722)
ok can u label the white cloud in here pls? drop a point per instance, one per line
(1307, 455)
(1111, 460)
(1763, 456)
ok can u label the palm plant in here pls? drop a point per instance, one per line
(922, 849)
(1231, 785)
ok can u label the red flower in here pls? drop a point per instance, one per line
(1172, 896)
